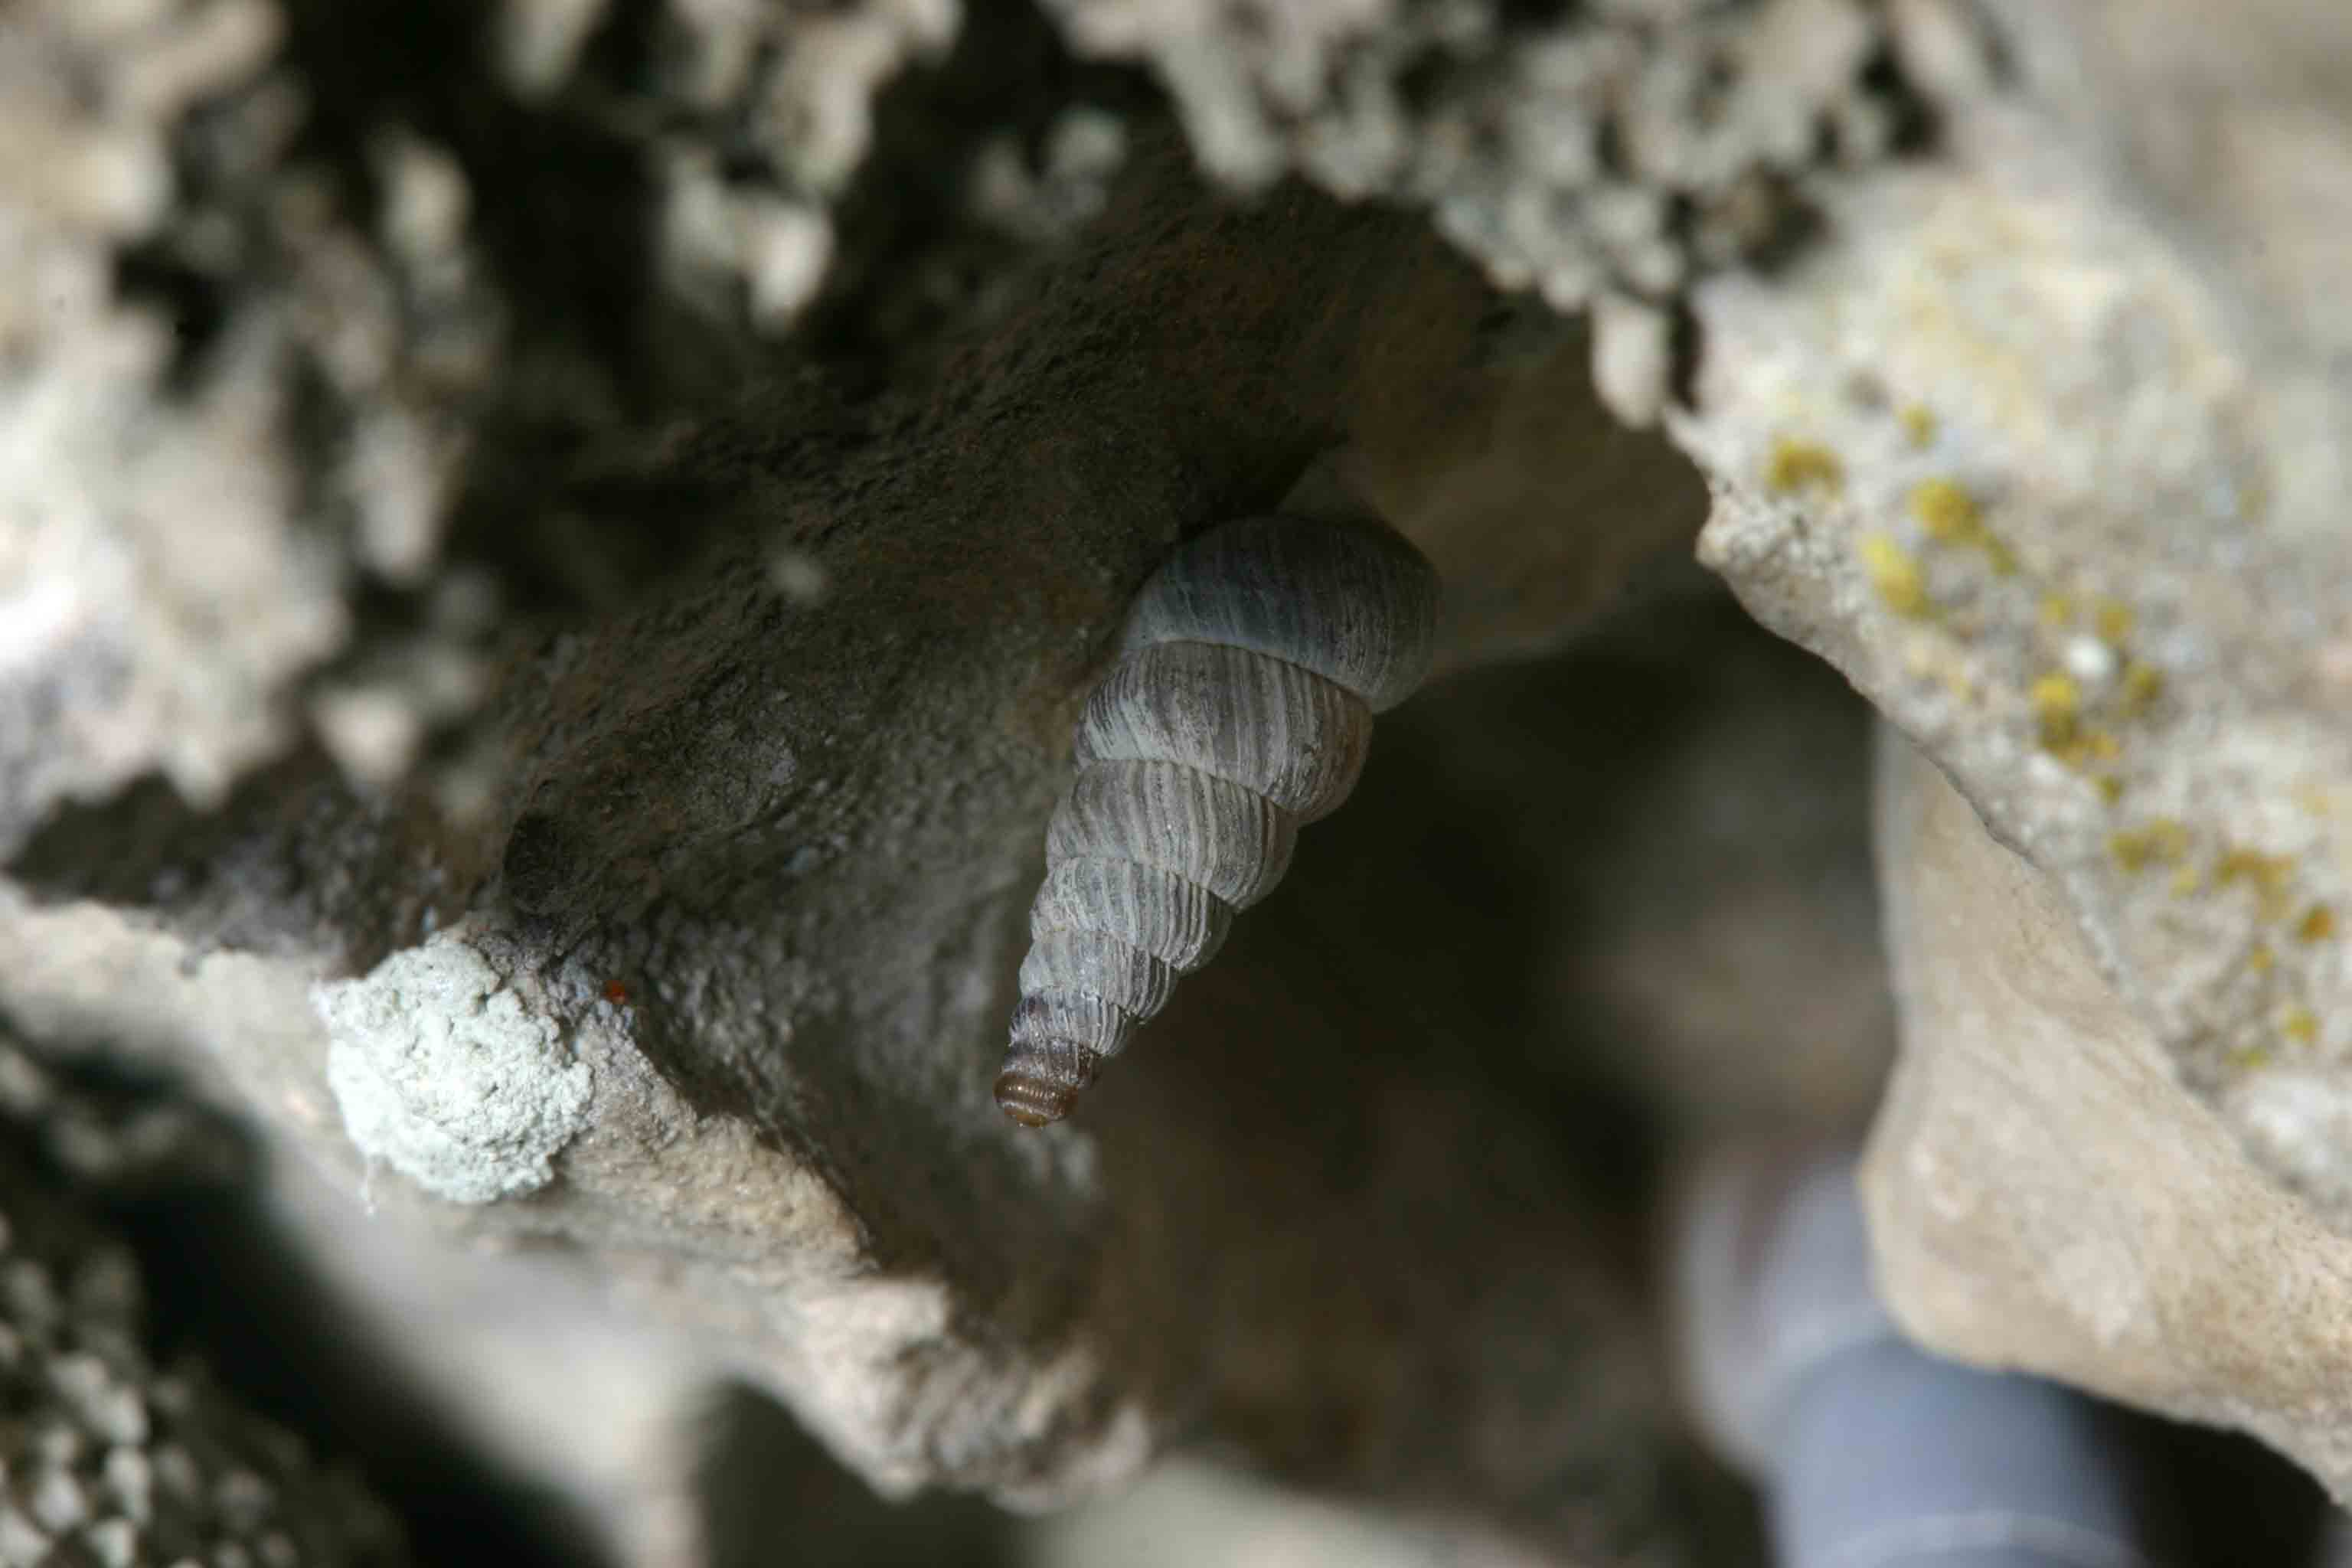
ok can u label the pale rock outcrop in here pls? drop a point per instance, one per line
(2045, 453)
(2043, 1193)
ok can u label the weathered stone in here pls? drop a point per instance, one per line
(684, 464)
(748, 818)
(309, 295)
(222, 395)
(2042, 1191)
(1626, 146)
(1168, 1308)
(2046, 454)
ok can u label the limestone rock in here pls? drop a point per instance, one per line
(770, 694)
(2043, 1191)
(1628, 146)
(2044, 453)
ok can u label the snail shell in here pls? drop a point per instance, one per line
(1242, 706)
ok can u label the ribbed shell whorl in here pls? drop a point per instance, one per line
(1242, 706)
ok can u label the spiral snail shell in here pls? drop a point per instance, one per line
(1241, 707)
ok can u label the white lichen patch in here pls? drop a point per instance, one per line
(443, 1073)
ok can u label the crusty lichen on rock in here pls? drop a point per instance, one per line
(2136, 668)
(444, 1074)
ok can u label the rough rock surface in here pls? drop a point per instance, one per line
(1614, 151)
(218, 392)
(645, 501)
(2041, 1193)
(747, 836)
(1268, 1332)
(309, 295)
(440, 1071)
(2046, 455)
(1549, 996)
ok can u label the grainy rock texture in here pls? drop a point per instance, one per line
(1548, 994)
(2045, 453)
(1622, 147)
(304, 293)
(220, 393)
(748, 815)
(440, 1071)
(2047, 457)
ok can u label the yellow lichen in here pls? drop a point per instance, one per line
(2058, 704)
(2252, 866)
(2299, 1024)
(2266, 874)
(2057, 609)
(1918, 423)
(2110, 788)
(1795, 465)
(2186, 880)
(2253, 496)
(2160, 839)
(2113, 620)
(2143, 684)
(2260, 959)
(2056, 693)
(2082, 748)
(1948, 513)
(2318, 923)
(2250, 1058)
(1894, 574)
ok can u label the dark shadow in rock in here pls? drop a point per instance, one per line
(1385, 1270)
(2236, 1501)
(279, 867)
(225, 1286)
(1436, 1025)
(771, 1496)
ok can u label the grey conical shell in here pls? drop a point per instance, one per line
(1242, 706)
